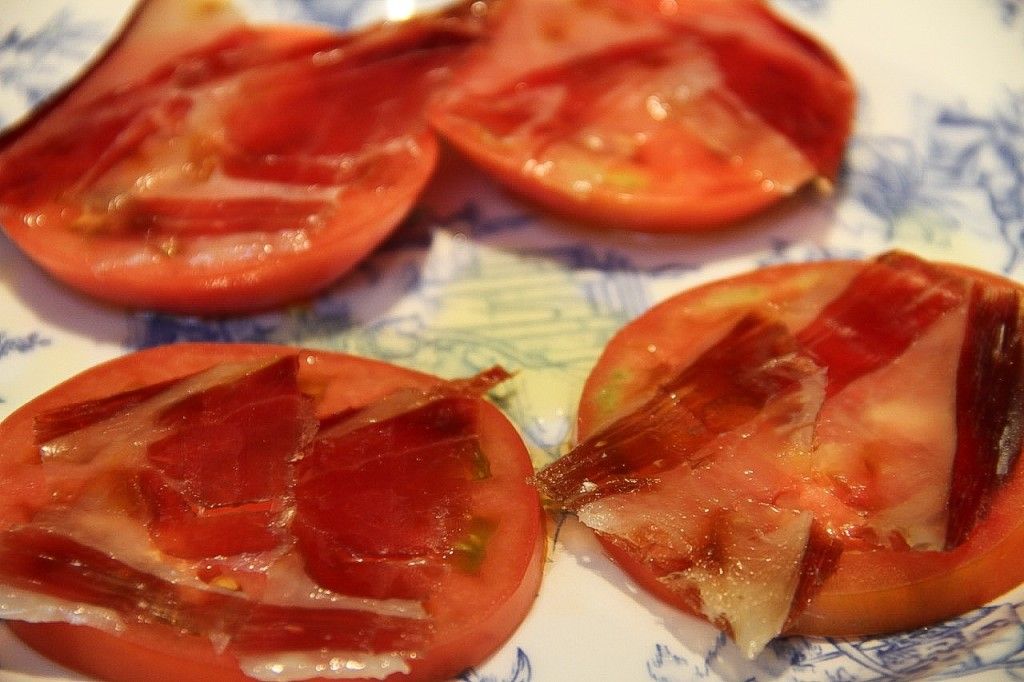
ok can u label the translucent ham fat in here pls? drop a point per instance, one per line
(221, 505)
(887, 420)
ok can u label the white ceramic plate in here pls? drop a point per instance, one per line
(936, 166)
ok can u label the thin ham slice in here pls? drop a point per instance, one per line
(738, 483)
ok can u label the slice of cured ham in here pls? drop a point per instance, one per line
(274, 505)
(204, 164)
(648, 115)
(814, 427)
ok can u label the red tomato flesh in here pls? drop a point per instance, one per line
(785, 451)
(234, 508)
(619, 113)
(204, 165)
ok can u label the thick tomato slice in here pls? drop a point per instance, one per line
(826, 448)
(646, 115)
(204, 165)
(220, 512)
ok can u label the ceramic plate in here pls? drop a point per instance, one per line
(936, 167)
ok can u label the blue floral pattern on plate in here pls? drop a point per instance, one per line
(475, 277)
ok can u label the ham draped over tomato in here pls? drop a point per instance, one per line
(225, 503)
(657, 116)
(205, 165)
(812, 415)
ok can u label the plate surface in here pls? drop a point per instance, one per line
(936, 166)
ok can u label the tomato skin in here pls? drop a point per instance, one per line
(204, 166)
(889, 591)
(871, 591)
(467, 628)
(571, 105)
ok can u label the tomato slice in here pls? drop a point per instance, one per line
(221, 511)
(826, 448)
(204, 165)
(649, 116)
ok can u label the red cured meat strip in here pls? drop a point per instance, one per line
(378, 507)
(884, 309)
(219, 466)
(990, 406)
(232, 443)
(52, 564)
(64, 420)
(725, 387)
(182, 529)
